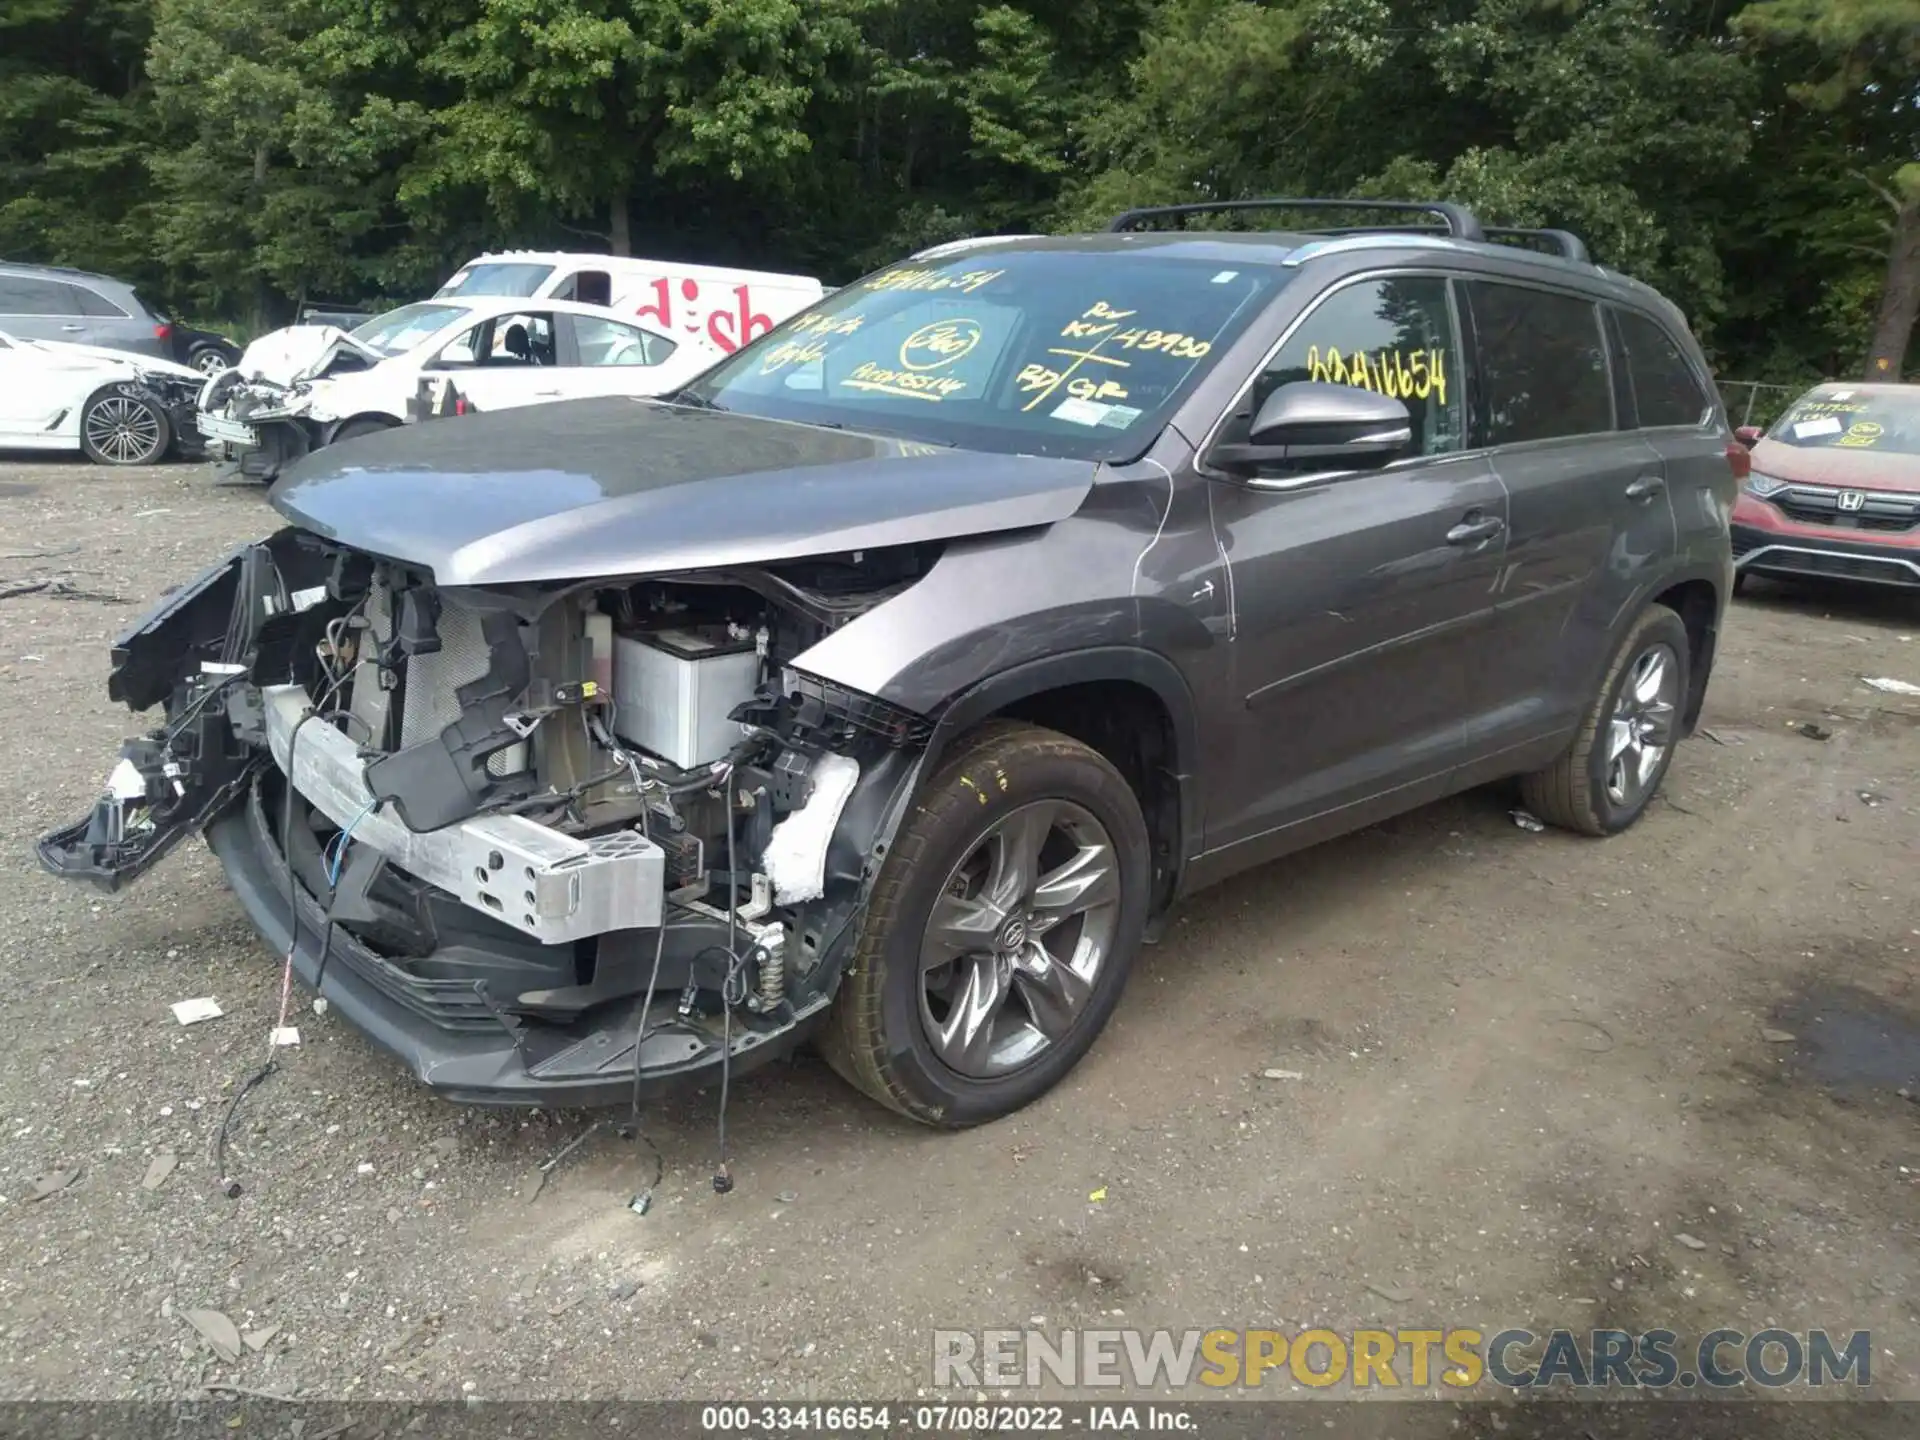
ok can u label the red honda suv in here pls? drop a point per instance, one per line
(1834, 489)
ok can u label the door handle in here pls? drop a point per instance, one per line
(1646, 487)
(73, 329)
(1474, 532)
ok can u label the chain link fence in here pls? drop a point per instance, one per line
(1755, 402)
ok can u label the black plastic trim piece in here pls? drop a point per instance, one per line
(1461, 222)
(1565, 243)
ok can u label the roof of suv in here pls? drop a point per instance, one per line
(69, 272)
(1463, 234)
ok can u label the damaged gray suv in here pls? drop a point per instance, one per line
(886, 686)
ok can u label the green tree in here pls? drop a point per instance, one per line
(578, 104)
(73, 134)
(1616, 118)
(1858, 63)
(277, 168)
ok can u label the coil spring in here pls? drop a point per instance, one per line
(772, 987)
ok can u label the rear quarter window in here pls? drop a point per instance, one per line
(1665, 389)
(93, 303)
(1542, 362)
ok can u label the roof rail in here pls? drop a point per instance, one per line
(1564, 243)
(1461, 222)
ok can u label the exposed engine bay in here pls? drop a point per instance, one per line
(560, 824)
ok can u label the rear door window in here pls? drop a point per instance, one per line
(1665, 389)
(1542, 364)
(24, 295)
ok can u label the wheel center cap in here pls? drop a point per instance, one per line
(1013, 936)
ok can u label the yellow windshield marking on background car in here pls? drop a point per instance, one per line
(1861, 434)
(1391, 372)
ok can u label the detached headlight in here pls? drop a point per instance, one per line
(1762, 486)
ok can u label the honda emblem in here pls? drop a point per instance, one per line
(1852, 499)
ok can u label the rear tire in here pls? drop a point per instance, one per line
(1606, 778)
(1034, 845)
(118, 426)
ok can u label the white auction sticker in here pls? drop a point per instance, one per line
(1080, 412)
(1809, 429)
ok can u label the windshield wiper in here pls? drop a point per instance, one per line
(697, 402)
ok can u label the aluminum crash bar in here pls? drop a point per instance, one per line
(549, 885)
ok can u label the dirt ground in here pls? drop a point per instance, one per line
(1527, 1062)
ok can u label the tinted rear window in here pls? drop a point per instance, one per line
(1665, 389)
(92, 302)
(1542, 362)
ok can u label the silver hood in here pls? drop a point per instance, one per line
(598, 487)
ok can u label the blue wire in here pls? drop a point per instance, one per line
(337, 847)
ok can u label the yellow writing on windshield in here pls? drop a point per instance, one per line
(966, 282)
(793, 352)
(908, 384)
(1861, 435)
(1081, 376)
(1046, 380)
(826, 324)
(1397, 373)
(939, 344)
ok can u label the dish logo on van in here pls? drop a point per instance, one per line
(729, 326)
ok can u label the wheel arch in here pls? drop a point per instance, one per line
(1699, 597)
(1699, 604)
(1130, 704)
(380, 417)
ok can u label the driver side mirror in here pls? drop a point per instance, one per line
(1749, 435)
(1311, 424)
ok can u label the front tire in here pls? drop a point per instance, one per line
(1607, 777)
(119, 427)
(364, 425)
(1000, 931)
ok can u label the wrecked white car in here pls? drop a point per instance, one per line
(298, 389)
(114, 407)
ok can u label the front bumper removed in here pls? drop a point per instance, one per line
(479, 1052)
(500, 960)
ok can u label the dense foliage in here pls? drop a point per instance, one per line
(1758, 159)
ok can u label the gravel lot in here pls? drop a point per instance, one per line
(1527, 1062)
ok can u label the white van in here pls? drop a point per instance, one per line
(717, 308)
